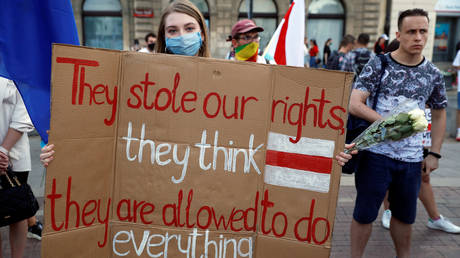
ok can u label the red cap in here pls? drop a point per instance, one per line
(244, 26)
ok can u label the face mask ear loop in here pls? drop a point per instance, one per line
(200, 50)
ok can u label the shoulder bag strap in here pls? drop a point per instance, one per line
(384, 62)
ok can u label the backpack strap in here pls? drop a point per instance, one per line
(384, 62)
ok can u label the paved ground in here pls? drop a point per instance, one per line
(426, 242)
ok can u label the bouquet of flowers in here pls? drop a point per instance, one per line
(405, 120)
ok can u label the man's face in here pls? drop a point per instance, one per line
(246, 38)
(413, 34)
(350, 47)
(151, 40)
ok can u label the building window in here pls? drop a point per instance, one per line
(102, 24)
(326, 19)
(265, 15)
(445, 35)
(204, 9)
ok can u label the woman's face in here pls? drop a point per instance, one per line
(178, 24)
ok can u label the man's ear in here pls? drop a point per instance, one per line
(398, 35)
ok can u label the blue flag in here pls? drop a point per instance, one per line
(27, 30)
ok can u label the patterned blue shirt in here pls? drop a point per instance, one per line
(422, 83)
(349, 60)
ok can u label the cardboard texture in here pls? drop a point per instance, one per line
(172, 156)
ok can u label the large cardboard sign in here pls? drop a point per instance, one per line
(170, 156)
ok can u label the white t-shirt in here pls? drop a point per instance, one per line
(13, 114)
(145, 50)
(457, 63)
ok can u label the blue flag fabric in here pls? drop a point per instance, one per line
(27, 30)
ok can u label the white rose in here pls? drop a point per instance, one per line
(420, 124)
(416, 114)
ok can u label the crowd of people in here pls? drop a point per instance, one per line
(395, 173)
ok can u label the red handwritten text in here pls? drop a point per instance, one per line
(296, 113)
(79, 84)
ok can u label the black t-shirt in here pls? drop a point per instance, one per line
(334, 62)
(378, 49)
(327, 51)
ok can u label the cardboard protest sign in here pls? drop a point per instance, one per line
(172, 156)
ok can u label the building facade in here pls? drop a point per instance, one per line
(116, 24)
(447, 31)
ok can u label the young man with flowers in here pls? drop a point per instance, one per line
(396, 166)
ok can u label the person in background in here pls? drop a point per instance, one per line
(14, 150)
(306, 55)
(426, 195)
(313, 53)
(150, 40)
(456, 65)
(135, 46)
(380, 44)
(356, 59)
(337, 57)
(326, 51)
(394, 44)
(245, 42)
(230, 54)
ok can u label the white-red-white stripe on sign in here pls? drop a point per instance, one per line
(306, 164)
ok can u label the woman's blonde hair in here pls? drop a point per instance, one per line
(185, 7)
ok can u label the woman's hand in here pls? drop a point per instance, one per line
(343, 158)
(47, 154)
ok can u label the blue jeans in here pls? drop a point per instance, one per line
(313, 63)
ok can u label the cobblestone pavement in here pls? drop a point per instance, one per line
(425, 242)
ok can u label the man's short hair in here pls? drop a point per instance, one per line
(347, 39)
(363, 38)
(151, 34)
(411, 12)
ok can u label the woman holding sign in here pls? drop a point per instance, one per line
(182, 31)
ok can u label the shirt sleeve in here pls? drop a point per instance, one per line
(438, 99)
(457, 59)
(20, 119)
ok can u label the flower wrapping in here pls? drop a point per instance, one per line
(405, 120)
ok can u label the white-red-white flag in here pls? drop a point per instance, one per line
(286, 46)
(306, 164)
